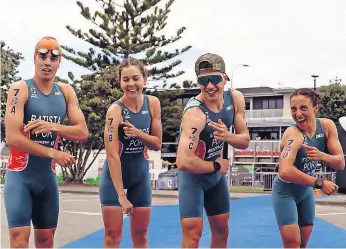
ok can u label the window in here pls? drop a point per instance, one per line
(261, 103)
(269, 133)
(247, 103)
(185, 100)
(272, 104)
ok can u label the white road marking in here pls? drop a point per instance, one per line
(78, 200)
(86, 213)
(331, 214)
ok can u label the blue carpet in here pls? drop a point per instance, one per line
(252, 225)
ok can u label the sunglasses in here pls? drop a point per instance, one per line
(214, 79)
(45, 51)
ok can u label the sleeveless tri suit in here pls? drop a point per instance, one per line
(134, 162)
(295, 203)
(208, 190)
(31, 188)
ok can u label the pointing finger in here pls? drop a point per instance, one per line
(308, 147)
(220, 121)
(127, 124)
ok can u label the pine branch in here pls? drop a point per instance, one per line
(126, 30)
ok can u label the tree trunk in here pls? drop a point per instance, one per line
(98, 152)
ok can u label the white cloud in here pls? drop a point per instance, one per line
(282, 41)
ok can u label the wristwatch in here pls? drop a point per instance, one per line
(319, 183)
(217, 166)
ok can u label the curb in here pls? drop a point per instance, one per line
(153, 195)
(319, 202)
(97, 193)
(330, 203)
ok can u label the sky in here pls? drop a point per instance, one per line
(283, 42)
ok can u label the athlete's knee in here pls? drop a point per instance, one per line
(139, 235)
(44, 238)
(221, 233)
(44, 242)
(294, 243)
(291, 238)
(19, 237)
(305, 232)
(112, 237)
(192, 232)
(219, 228)
(19, 244)
(191, 238)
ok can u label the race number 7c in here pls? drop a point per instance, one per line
(192, 137)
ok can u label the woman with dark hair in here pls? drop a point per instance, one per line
(302, 146)
(133, 125)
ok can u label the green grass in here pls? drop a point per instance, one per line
(90, 180)
(93, 181)
(59, 178)
(246, 188)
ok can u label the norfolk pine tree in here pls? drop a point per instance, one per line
(95, 93)
(131, 29)
(124, 31)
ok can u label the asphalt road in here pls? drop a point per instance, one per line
(333, 214)
(80, 215)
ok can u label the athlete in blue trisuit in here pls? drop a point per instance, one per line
(205, 126)
(35, 112)
(132, 126)
(303, 144)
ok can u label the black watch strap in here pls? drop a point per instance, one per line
(217, 166)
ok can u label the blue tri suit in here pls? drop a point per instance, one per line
(31, 188)
(134, 162)
(209, 190)
(295, 203)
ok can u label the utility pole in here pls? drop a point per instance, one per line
(315, 76)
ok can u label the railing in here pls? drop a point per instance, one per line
(262, 181)
(260, 148)
(266, 113)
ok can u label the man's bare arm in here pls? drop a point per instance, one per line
(192, 124)
(14, 116)
(77, 130)
(241, 139)
(292, 141)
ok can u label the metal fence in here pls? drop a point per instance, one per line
(260, 181)
(267, 113)
(260, 146)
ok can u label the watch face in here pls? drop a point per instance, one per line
(319, 182)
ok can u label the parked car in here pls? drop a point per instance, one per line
(168, 180)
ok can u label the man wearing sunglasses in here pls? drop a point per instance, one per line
(205, 126)
(35, 113)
